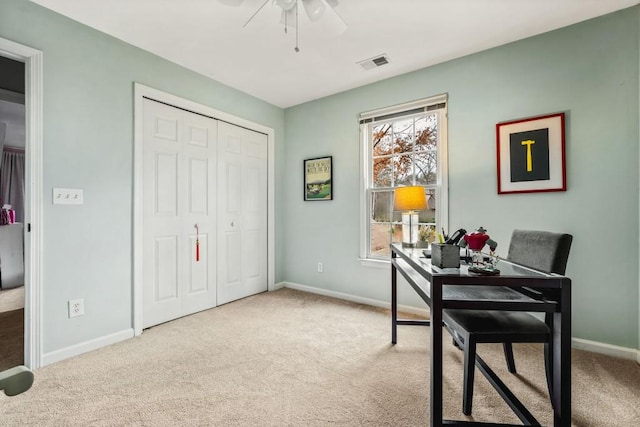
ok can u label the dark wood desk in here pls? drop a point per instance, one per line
(517, 288)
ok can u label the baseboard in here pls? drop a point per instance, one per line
(279, 285)
(356, 299)
(84, 347)
(578, 343)
(608, 349)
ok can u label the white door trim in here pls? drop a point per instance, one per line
(142, 91)
(32, 59)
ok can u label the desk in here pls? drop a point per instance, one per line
(517, 288)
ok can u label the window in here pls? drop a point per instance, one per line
(402, 145)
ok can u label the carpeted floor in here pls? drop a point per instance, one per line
(289, 358)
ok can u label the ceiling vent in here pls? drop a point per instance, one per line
(375, 62)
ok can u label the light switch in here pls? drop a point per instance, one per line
(68, 196)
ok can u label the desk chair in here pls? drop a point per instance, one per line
(540, 250)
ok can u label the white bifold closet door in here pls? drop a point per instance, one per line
(242, 212)
(199, 171)
(179, 191)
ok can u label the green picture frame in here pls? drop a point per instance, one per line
(318, 179)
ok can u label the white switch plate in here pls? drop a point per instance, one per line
(76, 307)
(68, 196)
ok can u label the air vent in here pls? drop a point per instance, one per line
(375, 62)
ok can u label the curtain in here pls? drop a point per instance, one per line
(3, 135)
(12, 182)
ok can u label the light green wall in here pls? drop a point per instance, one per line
(590, 72)
(88, 143)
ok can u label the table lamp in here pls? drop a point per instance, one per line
(409, 200)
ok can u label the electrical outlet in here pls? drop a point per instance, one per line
(320, 267)
(76, 307)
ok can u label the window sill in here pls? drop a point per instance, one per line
(376, 263)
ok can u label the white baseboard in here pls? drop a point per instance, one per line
(84, 347)
(578, 343)
(357, 299)
(608, 349)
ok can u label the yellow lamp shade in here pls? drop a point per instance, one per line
(410, 199)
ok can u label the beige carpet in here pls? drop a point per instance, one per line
(288, 358)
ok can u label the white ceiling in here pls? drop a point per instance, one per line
(208, 37)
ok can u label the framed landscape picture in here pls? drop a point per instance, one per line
(318, 178)
(531, 155)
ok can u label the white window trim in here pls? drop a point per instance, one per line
(442, 191)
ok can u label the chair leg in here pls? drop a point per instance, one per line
(469, 371)
(508, 355)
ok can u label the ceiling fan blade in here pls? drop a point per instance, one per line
(334, 21)
(255, 13)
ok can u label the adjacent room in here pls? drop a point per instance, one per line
(253, 212)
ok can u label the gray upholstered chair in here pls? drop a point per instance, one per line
(540, 250)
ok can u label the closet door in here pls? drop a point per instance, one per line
(242, 213)
(179, 161)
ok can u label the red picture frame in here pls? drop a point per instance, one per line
(531, 155)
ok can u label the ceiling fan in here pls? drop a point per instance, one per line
(315, 10)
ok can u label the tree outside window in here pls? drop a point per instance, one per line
(402, 152)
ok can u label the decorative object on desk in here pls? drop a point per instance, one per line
(445, 256)
(426, 236)
(318, 178)
(531, 155)
(409, 200)
(476, 242)
(487, 270)
(455, 237)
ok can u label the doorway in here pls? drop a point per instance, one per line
(209, 245)
(29, 63)
(12, 175)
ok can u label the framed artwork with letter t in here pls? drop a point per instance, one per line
(531, 155)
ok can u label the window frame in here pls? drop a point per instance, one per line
(436, 104)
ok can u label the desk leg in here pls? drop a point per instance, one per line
(436, 352)
(394, 302)
(562, 360)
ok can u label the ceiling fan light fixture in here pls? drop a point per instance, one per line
(314, 8)
(233, 3)
(288, 18)
(285, 4)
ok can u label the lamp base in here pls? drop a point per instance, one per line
(409, 230)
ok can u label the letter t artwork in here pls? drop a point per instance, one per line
(529, 155)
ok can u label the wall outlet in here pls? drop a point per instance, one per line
(320, 267)
(76, 307)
